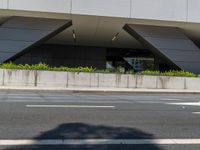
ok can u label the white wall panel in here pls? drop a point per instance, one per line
(194, 10)
(116, 8)
(59, 6)
(169, 10)
(3, 4)
(174, 10)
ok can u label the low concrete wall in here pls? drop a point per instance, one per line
(81, 79)
(18, 78)
(1, 77)
(51, 79)
(62, 79)
(149, 82)
(166, 82)
(192, 83)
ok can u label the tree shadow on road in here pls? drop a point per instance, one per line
(89, 131)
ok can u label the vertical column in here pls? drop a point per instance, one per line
(3, 4)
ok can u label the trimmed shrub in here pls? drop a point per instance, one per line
(169, 73)
(43, 66)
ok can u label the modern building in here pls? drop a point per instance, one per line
(135, 34)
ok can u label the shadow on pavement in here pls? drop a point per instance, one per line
(88, 131)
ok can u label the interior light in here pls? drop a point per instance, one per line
(115, 37)
(74, 34)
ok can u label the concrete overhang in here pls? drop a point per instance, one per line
(99, 30)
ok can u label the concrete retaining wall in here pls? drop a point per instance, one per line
(51, 79)
(17, 78)
(61, 79)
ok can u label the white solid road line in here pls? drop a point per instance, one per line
(101, 141)
(186, 104)
(69, 106)
(198, 113)
(168, 99)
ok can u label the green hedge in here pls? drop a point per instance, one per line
(43, 66)
(169, 73)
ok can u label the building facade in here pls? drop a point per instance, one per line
(134, 34)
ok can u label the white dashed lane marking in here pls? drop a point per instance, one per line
(101, 142)
(69, 106)
(170, 99)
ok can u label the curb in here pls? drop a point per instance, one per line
(104, 90)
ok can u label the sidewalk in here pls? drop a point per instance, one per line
(118, 90)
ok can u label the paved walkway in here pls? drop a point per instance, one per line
(77, 89)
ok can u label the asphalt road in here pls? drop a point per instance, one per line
(71, 116)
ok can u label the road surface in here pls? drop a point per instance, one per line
(100, 121)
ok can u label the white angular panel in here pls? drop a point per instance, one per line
(3, 4)
(114, 8)
(59, 6)
(193, 11)
(173, 10)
